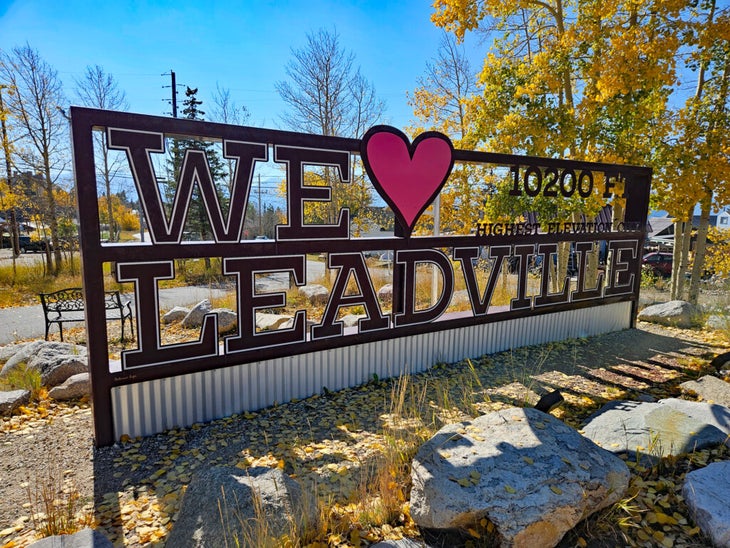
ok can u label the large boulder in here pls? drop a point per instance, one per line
(720, 323)
(195, 317)
(86, 538)
(221, 502)
(266, 321)
(706, 492)
(10, 350)
(655, 430)
(227, 319)
(315, 293)
(12, 399)
(176, 314)
(385, 294)
(55, 361)
(76, 386)
(672, 313)
(709, 389)
(528, 473)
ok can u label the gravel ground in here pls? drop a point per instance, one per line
(133, 489)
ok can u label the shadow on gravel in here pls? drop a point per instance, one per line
(132, 476)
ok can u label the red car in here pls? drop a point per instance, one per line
(658, 263)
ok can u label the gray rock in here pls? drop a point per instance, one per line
(460, 297)
(385, 294)
(290, 323)
(76, 386)
(674, 313)
(709, 389)
(265, 322)
(718, 322)
(707, 492)
(86, 538)
(234, 492)
(11, 400)
(350, 320)
(195, 317)
(9, 350)
(317, 294)
(227, 319)
(655, 430)
(527, 472)
(42, 350)
(400, 543)
(55, 361)
(177, 314)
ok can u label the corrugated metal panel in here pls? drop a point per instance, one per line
(149, 407)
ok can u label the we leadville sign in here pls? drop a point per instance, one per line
(407, 175)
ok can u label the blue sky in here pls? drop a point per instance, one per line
(242, 46)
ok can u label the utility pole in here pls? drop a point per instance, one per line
(261, 230)
(173, 92)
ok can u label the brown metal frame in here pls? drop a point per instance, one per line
(148, 261)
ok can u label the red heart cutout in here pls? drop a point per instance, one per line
(407, 176)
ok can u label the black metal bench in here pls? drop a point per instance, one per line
(67, 305)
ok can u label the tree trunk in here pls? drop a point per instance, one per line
(676, 257)
(684, 257)
(699, 256)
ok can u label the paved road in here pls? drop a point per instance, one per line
(26, 322)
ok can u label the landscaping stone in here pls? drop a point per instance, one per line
(673, 313)
(706, 492)
(350, 320)
(655, 430)
(460, 298)
(76, 386)
(227, 319)
(55, 361)
(265, 322)
(288, 324)
(709, 389)
(195, 317)
(232, 492)
(317, 294)
(9, 350)
(721, 361)
(12, 399)
(718, 322)
(86, 538)
(177, 314)
(400, 543)
(527, 472)
(385, 294)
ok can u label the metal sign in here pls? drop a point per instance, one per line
(524, 247)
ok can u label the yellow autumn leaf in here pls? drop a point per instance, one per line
(664, 519)
(555, 489)
(528, 460)
(510, 489)
(464, 482)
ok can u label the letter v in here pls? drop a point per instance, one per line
(195, 169)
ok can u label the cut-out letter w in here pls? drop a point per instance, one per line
(194, 170)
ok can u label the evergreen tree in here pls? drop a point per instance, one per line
(197, 225)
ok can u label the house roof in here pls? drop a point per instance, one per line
(660, 226)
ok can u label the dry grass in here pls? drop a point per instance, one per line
(56, 507)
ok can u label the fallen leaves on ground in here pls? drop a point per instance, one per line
(353, 448)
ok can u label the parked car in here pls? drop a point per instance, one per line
(28, 245)
(658, 263)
